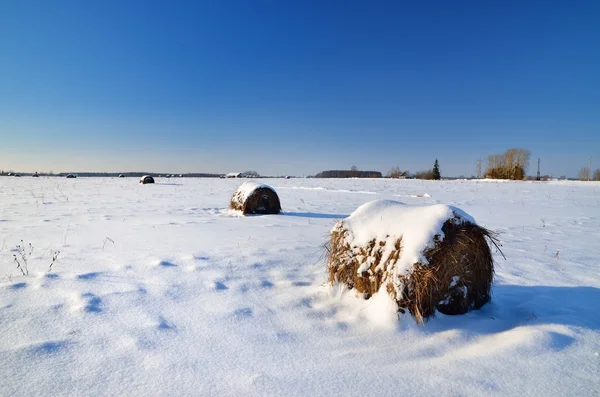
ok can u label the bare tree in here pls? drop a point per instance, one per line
(251, 173)
(522, 157)
(509, 160)
(584, 174)
(394, 172)
(512, 164)
(494, 167)
(596, 176)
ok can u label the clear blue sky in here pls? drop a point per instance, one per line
(295, 87)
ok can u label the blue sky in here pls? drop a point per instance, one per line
(296, 87)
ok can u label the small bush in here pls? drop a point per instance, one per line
(424, 174)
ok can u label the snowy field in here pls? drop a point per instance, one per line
(159, 290)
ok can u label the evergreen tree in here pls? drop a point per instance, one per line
(436, 171)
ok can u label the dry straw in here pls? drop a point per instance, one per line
(146, 179)
(456, 278)
(255, 199)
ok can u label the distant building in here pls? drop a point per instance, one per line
(406, 175)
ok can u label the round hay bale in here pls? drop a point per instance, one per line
(146, 179)
(71, 176)
(255, 198)
(121, 176)
(426, 258)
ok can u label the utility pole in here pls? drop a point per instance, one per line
(538, 173)
(478, 168)
(590, 170)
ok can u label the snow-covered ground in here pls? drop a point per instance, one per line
(159, 290)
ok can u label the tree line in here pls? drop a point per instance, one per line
(511, 164)
(585, 174)
(352, 173)
(432, 174)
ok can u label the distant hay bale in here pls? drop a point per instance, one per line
(121, 176)
(255, 198)
(146, 179)
(71, 176)
(426, 258)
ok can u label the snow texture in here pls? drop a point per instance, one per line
(388, 220)
(162, 292)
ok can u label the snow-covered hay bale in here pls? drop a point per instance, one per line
(255, 198)
(146, 179)
(426, 258)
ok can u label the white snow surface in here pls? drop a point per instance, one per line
(159, 291)
(388, 220)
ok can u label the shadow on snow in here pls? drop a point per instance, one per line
(514, 306)
(314, 215)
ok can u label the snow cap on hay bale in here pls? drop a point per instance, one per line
(146, 179)
(426, 258)
(255, 198)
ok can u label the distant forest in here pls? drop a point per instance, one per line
(348, 174)
(115, 174)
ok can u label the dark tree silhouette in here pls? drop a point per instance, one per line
(436, 171)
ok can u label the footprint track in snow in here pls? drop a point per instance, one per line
(266, 284)
(165, 325)
(89, 276)
(18, 286)
(219, 286)
(243, 312)
(49, 347)
(91, 303)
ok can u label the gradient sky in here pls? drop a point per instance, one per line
(296, 87)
